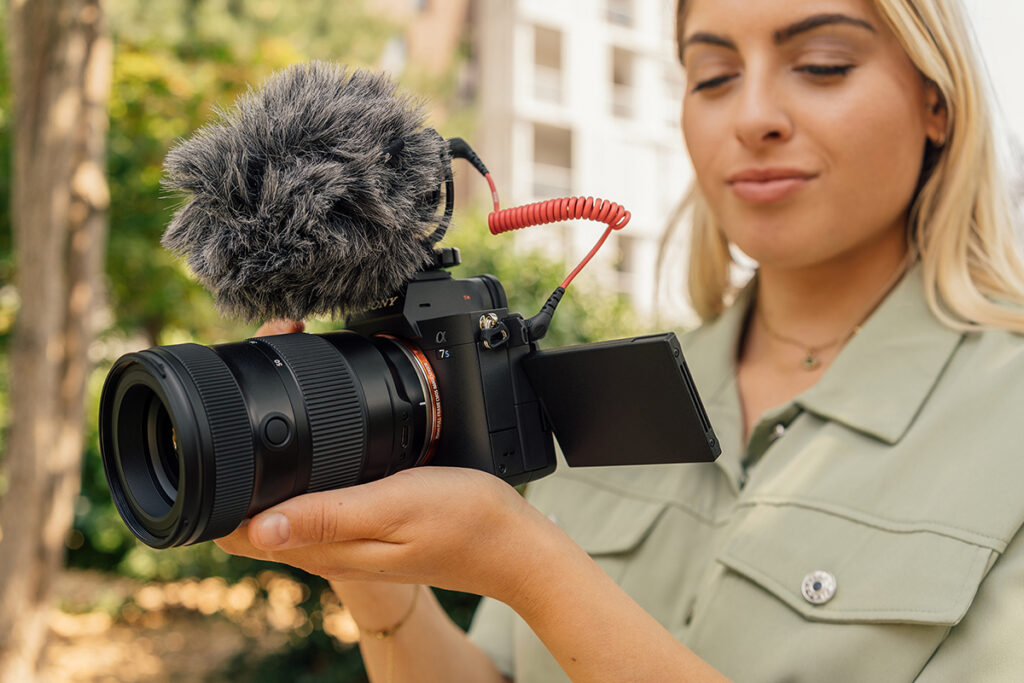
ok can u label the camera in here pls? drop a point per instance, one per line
(195, 439)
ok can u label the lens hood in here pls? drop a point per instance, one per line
(176, 444)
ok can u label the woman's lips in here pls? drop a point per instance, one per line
(767, 187)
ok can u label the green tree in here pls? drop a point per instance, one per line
(59, 66)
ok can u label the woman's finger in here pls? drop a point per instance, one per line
(358, 512)
(272, 327)
(353, 560)
(238, 543)
(350, 560)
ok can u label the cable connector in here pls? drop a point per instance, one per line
(537, 326)
(460, 149)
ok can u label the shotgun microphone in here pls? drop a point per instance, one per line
(317, 194)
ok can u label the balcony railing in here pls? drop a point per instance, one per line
(547, 84)
(620, 12)
(551, 181)
(622, 101)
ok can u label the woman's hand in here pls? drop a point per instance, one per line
(448, 527)
(272, 327)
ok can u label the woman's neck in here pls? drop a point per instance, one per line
(802, 318)
(825, 302)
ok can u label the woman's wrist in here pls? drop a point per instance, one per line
(375, 606)
(540, 553)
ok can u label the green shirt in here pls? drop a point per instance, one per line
(899, 475)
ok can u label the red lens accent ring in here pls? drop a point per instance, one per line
(433, 396)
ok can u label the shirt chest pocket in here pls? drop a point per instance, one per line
(609, 526)
(874, 603)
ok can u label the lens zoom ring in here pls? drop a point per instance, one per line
(231, 430)
(334, 406)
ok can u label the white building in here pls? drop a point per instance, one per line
(583, 97)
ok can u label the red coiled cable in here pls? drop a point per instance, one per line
(555, 210)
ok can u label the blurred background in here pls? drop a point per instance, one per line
(561, 97)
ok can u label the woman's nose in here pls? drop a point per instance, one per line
(761, 117)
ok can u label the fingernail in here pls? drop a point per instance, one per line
(273, 529)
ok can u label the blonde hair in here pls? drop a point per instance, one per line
(960, 220)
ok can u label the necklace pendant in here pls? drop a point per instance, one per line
(811, 361)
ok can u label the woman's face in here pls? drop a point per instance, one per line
(806, 122)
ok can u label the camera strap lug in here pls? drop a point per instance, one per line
(495, 333)
(494, 337)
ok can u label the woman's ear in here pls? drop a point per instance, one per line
(936, 114)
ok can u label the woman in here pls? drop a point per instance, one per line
(863, 521)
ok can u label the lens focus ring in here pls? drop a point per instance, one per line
(333, 403)
(232, 436)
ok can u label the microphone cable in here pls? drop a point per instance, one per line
(499, 221)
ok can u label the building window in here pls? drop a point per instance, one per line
(620, 12)
(627, 261)
(547, 63)
(395, 55)
(552, 161)
(622, 82)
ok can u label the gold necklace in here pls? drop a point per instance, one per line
(812, 358)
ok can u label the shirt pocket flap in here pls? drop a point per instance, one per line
(881, 576)
(599, 520)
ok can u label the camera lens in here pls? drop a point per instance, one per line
(195, 439)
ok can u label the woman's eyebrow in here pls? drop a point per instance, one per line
(783, 34)
(817, 21)
(709, 39)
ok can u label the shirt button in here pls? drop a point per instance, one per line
(818, 587)
(779, 430)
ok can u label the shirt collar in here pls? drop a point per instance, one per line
(884, 374)
(877, 383)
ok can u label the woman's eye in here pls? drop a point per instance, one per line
(712, 83)
(823, 71)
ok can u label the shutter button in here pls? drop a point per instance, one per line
(276, 431)
(818, 587)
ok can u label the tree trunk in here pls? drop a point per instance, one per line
(61, 63)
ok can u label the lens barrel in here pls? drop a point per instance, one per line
(194, 439)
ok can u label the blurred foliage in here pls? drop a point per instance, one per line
(176, 62)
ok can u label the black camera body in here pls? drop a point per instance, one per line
(491, 418)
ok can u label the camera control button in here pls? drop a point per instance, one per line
(276, 431)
